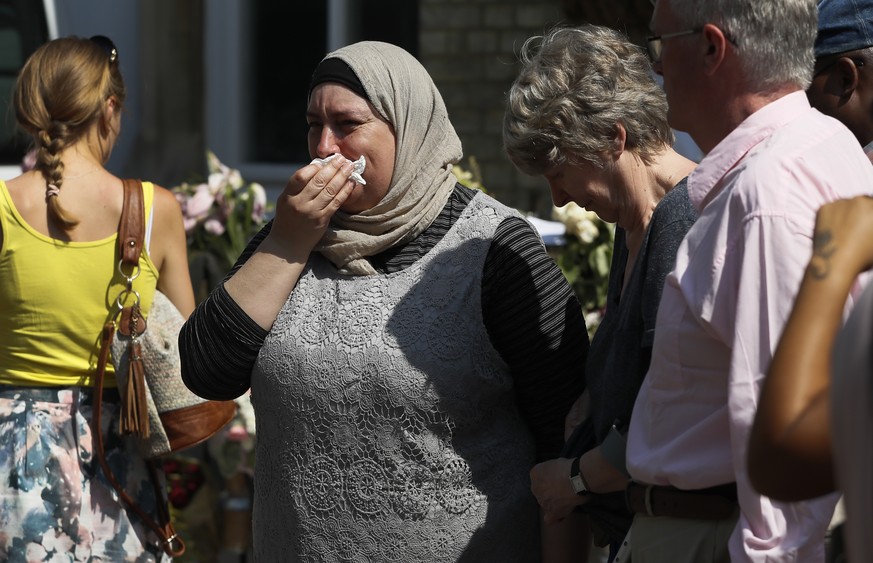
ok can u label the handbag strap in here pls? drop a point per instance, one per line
(130, 241)
(131, 235)
(131, 227)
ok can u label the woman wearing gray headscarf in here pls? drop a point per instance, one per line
(410, 347)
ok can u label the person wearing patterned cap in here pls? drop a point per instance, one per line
(842, 84)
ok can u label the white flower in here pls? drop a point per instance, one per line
(461, 174)
(217, 182)
(259, 207)
(212, 162)
(579, 221)
(592, 319)
(234, 178)
(587, 231)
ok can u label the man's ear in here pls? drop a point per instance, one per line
(716, 44)
(846, 76)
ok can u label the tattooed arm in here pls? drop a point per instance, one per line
(790, 445)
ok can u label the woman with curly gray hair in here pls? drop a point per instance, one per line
(586, 113)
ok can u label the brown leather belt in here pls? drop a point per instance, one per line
(714, 503)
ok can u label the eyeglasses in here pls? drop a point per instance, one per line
(107, 45)
(653, 44)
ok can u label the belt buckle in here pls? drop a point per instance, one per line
(647, 500)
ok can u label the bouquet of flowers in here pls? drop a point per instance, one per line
(586, 258)
(222, 214)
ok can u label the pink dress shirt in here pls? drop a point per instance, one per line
(724, 307)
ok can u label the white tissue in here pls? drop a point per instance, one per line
(359, 164)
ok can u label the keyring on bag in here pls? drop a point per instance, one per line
(122, 298)
(128, 278)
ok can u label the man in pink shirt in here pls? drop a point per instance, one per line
(734, 73)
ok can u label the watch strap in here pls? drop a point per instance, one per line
(577, 480)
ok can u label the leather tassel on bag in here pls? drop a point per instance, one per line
(134, 408)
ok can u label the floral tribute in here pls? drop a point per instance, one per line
(223, 213)
(585, 258)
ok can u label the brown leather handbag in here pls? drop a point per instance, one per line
(156, 407)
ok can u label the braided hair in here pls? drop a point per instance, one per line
(60, 93)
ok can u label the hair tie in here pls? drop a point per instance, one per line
(51, 190)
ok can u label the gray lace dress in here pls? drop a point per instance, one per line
(397, 437)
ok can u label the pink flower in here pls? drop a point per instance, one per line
(200, 203)
(221, 214)
(226, 202)
(213, 226)
(237, 433)
(28, 163)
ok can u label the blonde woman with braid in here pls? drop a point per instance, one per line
(58, 282)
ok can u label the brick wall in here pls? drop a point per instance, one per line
(469, 47)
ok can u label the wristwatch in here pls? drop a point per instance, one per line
(576, 478)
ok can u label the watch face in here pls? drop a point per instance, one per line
(578, 484)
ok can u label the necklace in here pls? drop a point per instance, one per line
(80, 175)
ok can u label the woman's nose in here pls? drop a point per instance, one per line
(559, 198)
(327, 143)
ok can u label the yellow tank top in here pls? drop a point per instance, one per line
(55, 297)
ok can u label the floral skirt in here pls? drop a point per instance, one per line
(55, 503)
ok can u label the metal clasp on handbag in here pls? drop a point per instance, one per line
(134, 408)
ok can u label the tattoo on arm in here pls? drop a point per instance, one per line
(822, 250)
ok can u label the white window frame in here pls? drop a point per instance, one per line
(228, 85)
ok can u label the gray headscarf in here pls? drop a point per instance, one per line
(402, 92)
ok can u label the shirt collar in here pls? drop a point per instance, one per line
(705, 181)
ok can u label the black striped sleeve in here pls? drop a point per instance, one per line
(535, 322)
(219, 343)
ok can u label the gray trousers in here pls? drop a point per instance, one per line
(659, 539)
